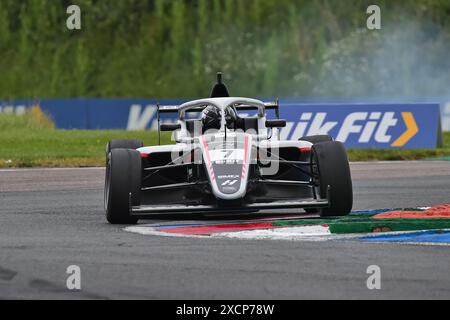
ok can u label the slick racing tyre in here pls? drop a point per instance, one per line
(123, 144)
(332, 171)
(122, 185)
(317, 139)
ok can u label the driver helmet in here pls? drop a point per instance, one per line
(211, 118)
(231, 117)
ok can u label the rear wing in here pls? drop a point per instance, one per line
(174, 109)
(167, 109)
(267, 105)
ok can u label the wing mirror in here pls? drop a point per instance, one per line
(170, 126)
(275, 123)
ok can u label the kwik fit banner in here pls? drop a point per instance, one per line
(377, 125)
(411, 126)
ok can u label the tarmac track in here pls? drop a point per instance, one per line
(53, 218)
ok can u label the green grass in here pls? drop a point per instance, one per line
(399, 154)
(27, 142)
(32, 141)
(62, 148)
(405, 154)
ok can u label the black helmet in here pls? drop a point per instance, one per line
(211, 118)
(231, 117)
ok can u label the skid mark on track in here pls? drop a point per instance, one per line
(50, 287)
(45, 285)
(7, 274)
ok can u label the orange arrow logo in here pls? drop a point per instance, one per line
(411, 130)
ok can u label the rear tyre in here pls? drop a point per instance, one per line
(122, 185)
(331, 168)
(123, 144)
(317, 139)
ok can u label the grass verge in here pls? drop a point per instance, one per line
(32, 141)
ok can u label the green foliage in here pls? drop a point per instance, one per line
(32, 119)
(172, 48)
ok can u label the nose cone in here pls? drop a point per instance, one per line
(227, 164)
(230, 190)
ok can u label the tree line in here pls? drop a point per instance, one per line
(173, 48)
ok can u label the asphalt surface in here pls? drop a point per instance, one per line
(50, 219)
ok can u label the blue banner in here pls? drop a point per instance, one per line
(411, 126)
(358, 125)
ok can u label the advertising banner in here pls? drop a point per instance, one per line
(412, 126)
(357, 125)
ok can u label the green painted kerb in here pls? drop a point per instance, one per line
(364, 224)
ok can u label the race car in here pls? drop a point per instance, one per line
(227, 158)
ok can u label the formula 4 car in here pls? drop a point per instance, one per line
(225, 160)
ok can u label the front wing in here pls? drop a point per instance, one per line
(143, 211)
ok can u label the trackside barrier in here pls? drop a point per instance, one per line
(358, 125)
(411, 126)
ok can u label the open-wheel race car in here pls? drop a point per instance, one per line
(228, 158)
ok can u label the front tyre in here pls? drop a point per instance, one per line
(331, 168)
(122, 185)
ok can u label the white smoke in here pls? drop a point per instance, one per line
(408, 60)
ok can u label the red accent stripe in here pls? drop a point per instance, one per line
(210, 167)
(246, 149)
(304, 149)
(145, 155)
(244, 163)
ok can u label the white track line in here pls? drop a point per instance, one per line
(399, 161)
(49, 169)
(286, 233)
